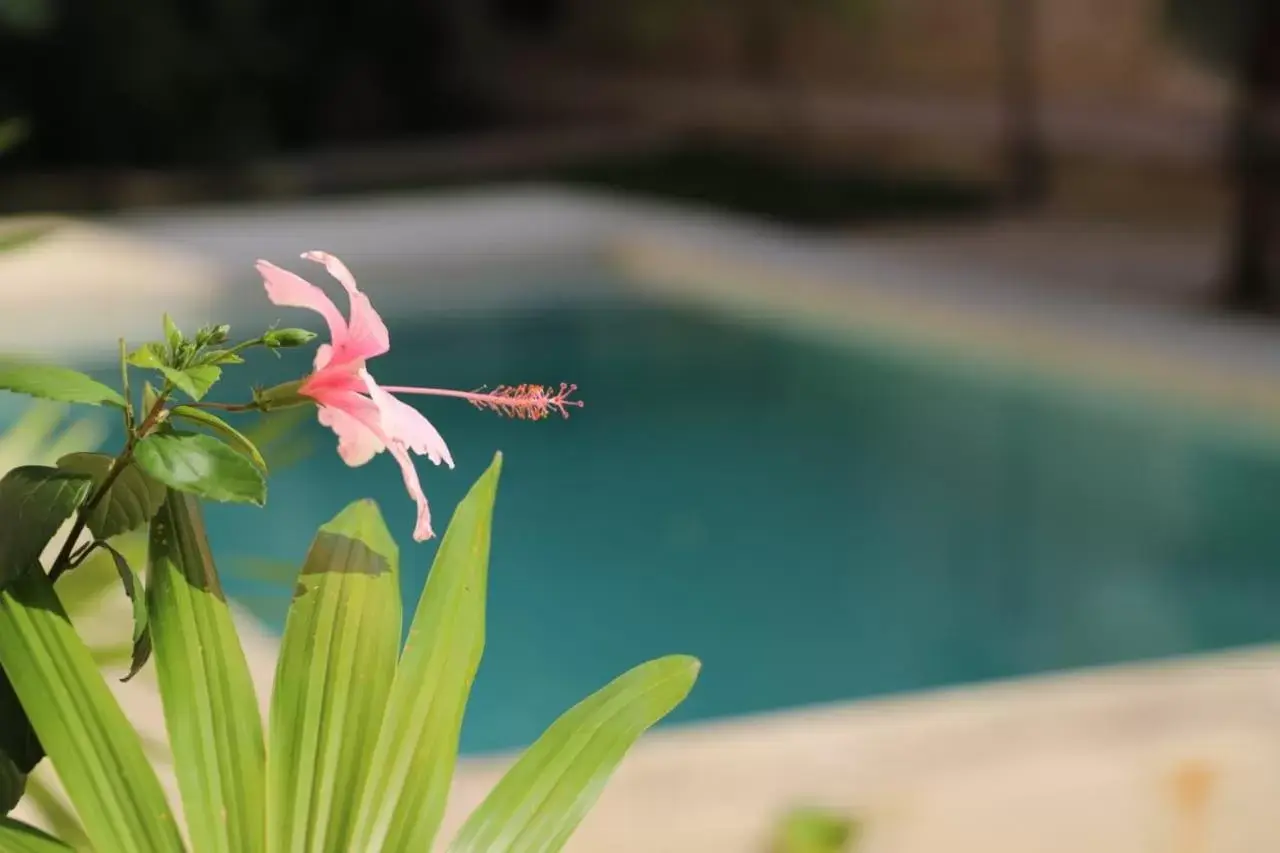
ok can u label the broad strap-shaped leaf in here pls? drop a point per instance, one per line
(18, 837)
(140, 649)
(55, 383)
(34, 502)
(55, 812)
(201, 465)
(337, 662)
(195, 381)
(93, 747)
(210, 707)
(412, 765)
(20, 749)
(218, 425)
(131, 501)
(537, 805)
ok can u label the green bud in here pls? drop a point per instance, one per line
(283, 338)
(214, 334)
(284, 396)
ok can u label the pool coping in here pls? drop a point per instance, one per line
(200, 262)
(836, 284)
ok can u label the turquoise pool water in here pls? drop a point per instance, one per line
(815, 522)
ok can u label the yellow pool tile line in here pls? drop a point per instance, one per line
(1056, 348)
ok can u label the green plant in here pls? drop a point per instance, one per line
(810, 830)
(363, 732)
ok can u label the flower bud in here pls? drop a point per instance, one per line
(283, 338)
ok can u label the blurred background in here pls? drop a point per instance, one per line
(1038, 431)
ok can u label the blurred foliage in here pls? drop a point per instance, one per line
(776, 187)
(12, 132)
(760, 25)
(1210, 30)
(810, 830)
(217, 83)
(28, 17)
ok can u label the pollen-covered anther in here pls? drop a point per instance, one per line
(526, 401)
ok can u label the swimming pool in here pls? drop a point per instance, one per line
(815, 521)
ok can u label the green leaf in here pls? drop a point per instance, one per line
(411, 766)
(217, 424)
(337, 662)
(18, 837)
(149, 397)
(129, 503)
(195, 381)
(808, 830)
(34, 502)
(17, 238)
(93, 747)
(210, 707)
(141, 647)
(201, 465)
(220, 356)
(20, 749)
(60, 819)
(150, 355)
(172, 335)
(55, 383)
(546, 793)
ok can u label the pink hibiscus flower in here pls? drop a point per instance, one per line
(364, 415)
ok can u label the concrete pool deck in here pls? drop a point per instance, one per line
(1177, 756)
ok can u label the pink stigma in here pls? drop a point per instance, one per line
(526, 402)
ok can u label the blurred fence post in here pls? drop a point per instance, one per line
(1253, 277)
(1026, 158)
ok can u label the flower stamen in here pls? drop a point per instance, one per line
(526, 402)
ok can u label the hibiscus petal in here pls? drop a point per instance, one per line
(367, 335)
(422, 528)
(292, 291)
(405, 424)
(356, 421)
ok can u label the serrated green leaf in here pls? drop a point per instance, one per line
(129, 503)
(55, 383)
(201, 465)
(217, 424)
(20, 749)
(92, 745)
(149, 397)
(195, 381)
(150, 355)
(337, 661)
(543, 797)
(34, 502)
(141, 645)
(18, 837)
(210, 706)
(411, 767)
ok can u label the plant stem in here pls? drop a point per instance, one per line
(226, 407)
(63, 561)
(124, 384)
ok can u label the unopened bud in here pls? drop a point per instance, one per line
(215, 334)
(283, 338)
(280, 397)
